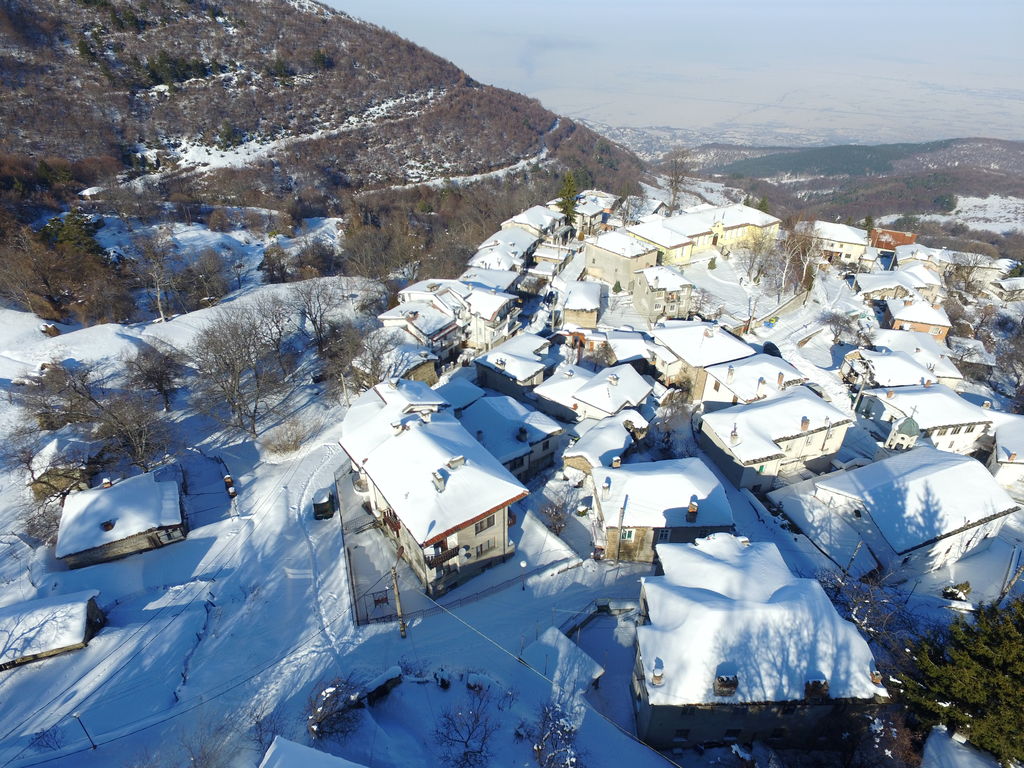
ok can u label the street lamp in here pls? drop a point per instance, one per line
(522, 581)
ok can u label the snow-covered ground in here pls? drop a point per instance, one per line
(994, 213)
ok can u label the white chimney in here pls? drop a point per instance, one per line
(606, 489)
(613, 379)
(730, 373)
(438, 479)
(734, 436)
(616, 462)
(760, 386)
(658, 673)
(805, 424)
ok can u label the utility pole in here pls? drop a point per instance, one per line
(398, 601)
(79, 719)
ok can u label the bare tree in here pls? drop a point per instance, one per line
(379, 357)
(756, 253)
(839, 323)
(464, 732)
(554, 738)
(132, 426)
(966, 271)
(675, 165)
(317, 300)
(61, 394)
(154, 370)
(157, 266)
(559, 509)
(333, 709)
(237, 363)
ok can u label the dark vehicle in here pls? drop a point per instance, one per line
(324, 506)
(771, 348)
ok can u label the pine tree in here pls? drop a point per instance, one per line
(971, 679)
(869, 223)
(762, 205)
(567, 197)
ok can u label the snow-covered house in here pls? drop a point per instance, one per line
(945, 419)
(133, 515)
(38, 629)
(747, 380)
(721, 227)
(486, 316)
(603, 442)
(574, 393)
(516, 365)
(914, 314)
(1009, 288)
(542, 222)
(756, 442)
(982, 270)
(501, 280)
(551, 259)
(648, 503)
(662, 292)
(506, 249)
(924, 349)
(693, 346)
(431, 324)
(581, 304)
(914, 282)
(593, 209)
(460, 393)
(283, 753)
(615, 257)
(945, 750)
(673, 246)
(839, 243)
(633, 347)
(734, 648)
(440, 494)
(920, 510)
(870, 369)
(1007, 460)
(886, 240)
(525, 441)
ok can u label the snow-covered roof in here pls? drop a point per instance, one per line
(840, 233)
(1011, 283)
(425, 290)
(583, 296)
(424, 317)
(770, 630)
(700, 343)
(459, 392)
(917, 252)
(917, 312)
(629, 345)
(520, 357)
(288, 754)
(919, 495)
(612, 389)
(657, 494)
(1010, 440)
(497, 258)
(513, 239)
(968, 350)
(756, 376)
(664, 278)
(539, 217)
(559, 659)
(133, 505)
(934, 406)
(761, 424)
(894, 369)
(489, 279)
(496, 422)
(621, 244)
(943, 750)
(591, 202)
(551, 253)
(488, 303)
(561, 388)
(655, 231)
(700, 219)
(909, 278)
(44, 625)
(431, 471)
(921, 346)
(606, 438)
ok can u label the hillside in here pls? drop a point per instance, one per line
(251, 102)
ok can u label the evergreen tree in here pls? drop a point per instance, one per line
(869, 222)
(762, 205)
(971, 679)
(567, 197)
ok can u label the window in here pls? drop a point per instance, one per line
(718, 386)
(940, 431)
(664, 534)
(935, 331)
(969, 428)
(483, 525)
(487, 546)
(545, 446)
(516, 463)
(626, 534)
(956, 430)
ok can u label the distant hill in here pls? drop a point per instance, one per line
(252, 101)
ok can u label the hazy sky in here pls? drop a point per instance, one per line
(785, 70)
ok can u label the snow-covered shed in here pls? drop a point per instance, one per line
(756, 442)
(734, 647)
(439, 492)
(643, 504)
(288, 754)
(525, 441)
(37, 629)
(920, 509)
(132, 515)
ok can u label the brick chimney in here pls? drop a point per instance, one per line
(805, 424)
(780, 380)
(658, 673)
(734, 436)
(521, 434)
(889, 393)
(691, 511)
(616, 462)
(928, 382)
(1012, 456)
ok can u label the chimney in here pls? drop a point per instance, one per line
(709, 331)
(987, 404)
(889, 393)
(760, 386)
(726, 685)
(1012, 456)
(616, 462)
(730, 373)
(613, 379)
(500, 362)
(908, 302)
(658, 673)
(816, 689)
(398, 427)
(805, 424)
(107, 525)
(928, 382)
(691, 511)
(734, 436)
(456, 461)
(425, 416)
(782, 378)
(521, 435)
(438, 479)
(107, 482)
(606, 489)
(876, 677)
